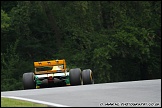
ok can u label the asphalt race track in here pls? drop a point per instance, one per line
(143, 93)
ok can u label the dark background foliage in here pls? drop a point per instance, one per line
(117, 40)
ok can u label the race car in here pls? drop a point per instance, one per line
(54, 73)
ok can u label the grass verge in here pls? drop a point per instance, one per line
(7, 102)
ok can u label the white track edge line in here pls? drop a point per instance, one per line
(36, 101)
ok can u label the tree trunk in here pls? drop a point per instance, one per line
(53, 24)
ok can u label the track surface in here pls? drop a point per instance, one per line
(143, 93)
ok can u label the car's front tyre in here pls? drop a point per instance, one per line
(87, 76)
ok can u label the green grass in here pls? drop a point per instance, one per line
(7, 102)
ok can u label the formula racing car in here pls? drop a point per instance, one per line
(54, 73)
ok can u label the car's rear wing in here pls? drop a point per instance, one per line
(50, 63)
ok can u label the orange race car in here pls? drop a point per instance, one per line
(54, 73)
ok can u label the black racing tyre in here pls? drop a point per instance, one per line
(75, 76)
(87, 77)
(28, 81)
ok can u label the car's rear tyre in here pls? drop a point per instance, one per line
(28, 81)
(75, 76)
(87, 77)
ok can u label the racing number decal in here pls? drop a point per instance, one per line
(39, 63)
(48, 63)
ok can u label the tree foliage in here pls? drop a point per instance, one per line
(118, 40)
